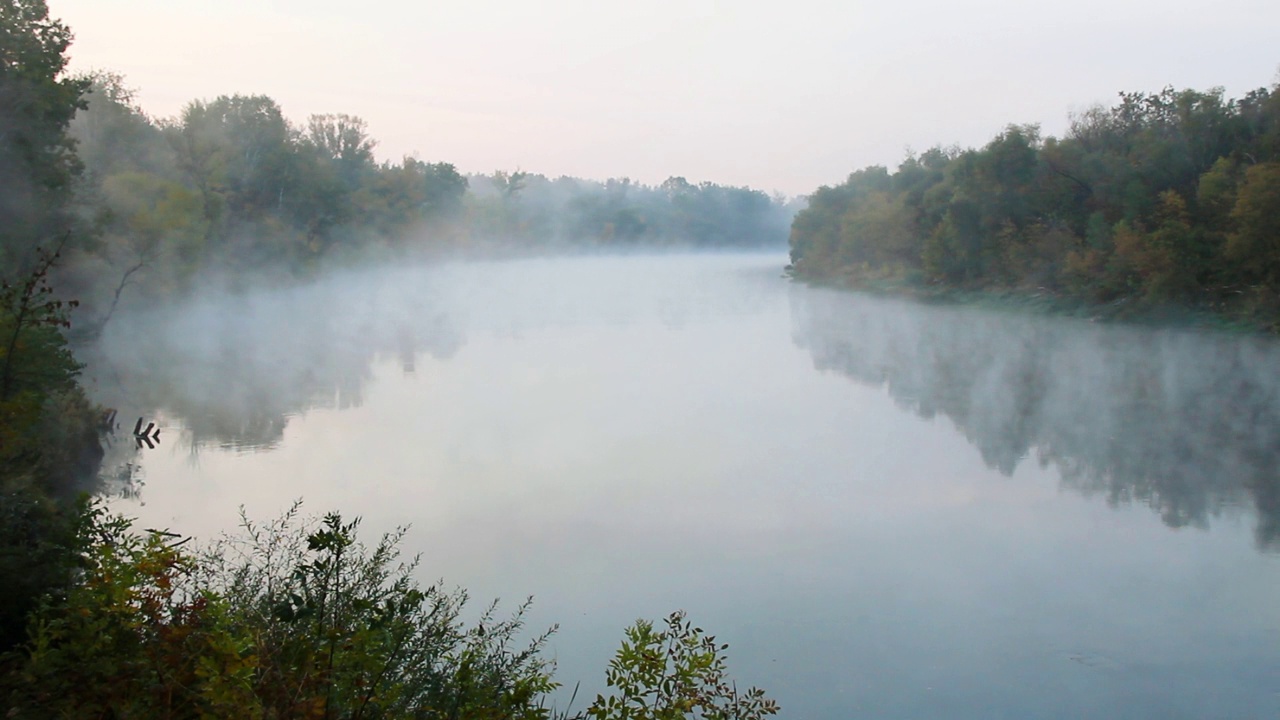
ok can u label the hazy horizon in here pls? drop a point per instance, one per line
(780, 98)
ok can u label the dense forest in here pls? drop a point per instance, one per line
(1167, 199)
(295, 618)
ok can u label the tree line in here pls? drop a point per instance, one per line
(232, 185)
(1169, 198)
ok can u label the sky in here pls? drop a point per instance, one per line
(781, 97)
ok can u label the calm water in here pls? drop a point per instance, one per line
(888, 510)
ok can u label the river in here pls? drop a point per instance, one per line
(886, 509)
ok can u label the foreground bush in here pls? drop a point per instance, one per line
(49, 445)
(284, 622)
(298, 619)
(675, 673)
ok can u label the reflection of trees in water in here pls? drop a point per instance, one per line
(232, 372)
(1187, 423)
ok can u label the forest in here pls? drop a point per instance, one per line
(1166, 201)
(144, 209)
(233, 188)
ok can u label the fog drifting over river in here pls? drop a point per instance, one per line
(864, 497)
(1182, 421)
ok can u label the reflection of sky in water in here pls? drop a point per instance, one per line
(622, 438)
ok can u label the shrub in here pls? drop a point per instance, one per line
(287, 621)
(673, 674)
(299, 619)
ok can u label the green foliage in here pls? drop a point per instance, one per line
(672, 674)
(299, 619)
(39, 551)
(49, 447)
(231, 184)
(284, 621)
(34, 359)
(130, 639)
(1166, 197)
(48, 428)
(346, 626)
(1254, 246)
(37, 162)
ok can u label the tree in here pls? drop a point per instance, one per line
(237, 151)
(1254, 247)
(1167, 196)
(113, 134)
(28, 312)
(149, 224)
(49, 445)
(442, 187)
(37, 159)
(48, 429)
(342, 138)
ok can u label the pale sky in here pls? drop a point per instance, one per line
(778, 96)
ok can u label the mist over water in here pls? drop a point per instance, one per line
(1183, 422)
(886, 509)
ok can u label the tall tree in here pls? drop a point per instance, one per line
(37, 159)
(239, 152)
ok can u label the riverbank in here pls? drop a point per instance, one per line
(1041, 301)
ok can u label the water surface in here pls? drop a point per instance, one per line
(886, 509)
